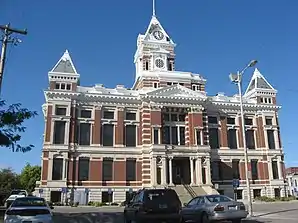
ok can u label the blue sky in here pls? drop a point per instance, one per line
(213, 38)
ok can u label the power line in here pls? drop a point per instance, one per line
(8, 31)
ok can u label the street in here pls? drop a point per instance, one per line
(263, 213)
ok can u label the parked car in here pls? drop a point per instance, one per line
(213, 208)
(153, 204)
(29, 209)
(13, 195)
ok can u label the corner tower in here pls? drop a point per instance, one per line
(64, 75)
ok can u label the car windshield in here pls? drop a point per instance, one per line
(168, 195)
(25, 202)
(218, 198)
(18, 192)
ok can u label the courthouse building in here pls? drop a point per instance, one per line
(164, 131)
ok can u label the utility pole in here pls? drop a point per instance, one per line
(7, 31)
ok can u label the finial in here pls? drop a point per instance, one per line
(153, 8)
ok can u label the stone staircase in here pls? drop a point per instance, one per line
(187, 192)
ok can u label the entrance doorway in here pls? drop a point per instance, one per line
(181, 171)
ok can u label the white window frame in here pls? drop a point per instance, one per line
(159, 138)
(137, 133)
(200, 131)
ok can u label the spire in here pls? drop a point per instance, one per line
(153, 8)
(65, 65)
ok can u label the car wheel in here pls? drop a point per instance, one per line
(205, 218)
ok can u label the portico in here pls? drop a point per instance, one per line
(179, 170)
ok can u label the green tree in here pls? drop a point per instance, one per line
(29, 176)
(11, 126)
(8, 180)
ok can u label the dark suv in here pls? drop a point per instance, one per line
(161, 205)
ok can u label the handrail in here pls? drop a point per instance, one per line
(189, 189)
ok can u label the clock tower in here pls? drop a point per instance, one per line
(155, 50)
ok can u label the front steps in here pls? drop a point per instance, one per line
(187, 192)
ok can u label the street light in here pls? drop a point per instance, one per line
(237, 79)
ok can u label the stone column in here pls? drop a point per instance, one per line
(276, 139)
(270, 169)
(279, 166)
(191, 159)
(199, 170)
(65, 170)
(171, 171)
(208, 171)
(153, 174)
(164, 171)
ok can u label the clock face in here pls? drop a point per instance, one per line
(159, 63)
(158, 35)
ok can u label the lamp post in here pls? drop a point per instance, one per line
(237, 79)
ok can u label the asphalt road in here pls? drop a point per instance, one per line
(263, 213)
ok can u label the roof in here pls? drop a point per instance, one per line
(65, 65)
(258, 82)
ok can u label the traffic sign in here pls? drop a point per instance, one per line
(236, 183)
(110, 191)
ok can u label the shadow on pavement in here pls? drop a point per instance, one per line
(105, 217)
(277, 212)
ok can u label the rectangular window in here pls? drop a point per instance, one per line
(166, 135)
(146, 65)
(62, 86)
(57, 171)
(256, 193)
(231, 121)
(213, 138)
(232, 138)
(106, 197)
(155, 136)
(250, 139)
(166, 117)
(107, 135)
(174, 117)
(155, 85)
(107, 169)
(85, 133)
(181, 117)
(235, 168)
(254, 169)
(131, 169)
(275, 170)
(174, 135)
(248, 121)
(268, 120)
(60, 111)
(84, 169)
(182, 135)
(108, 114)
(86, 114)
(198, 137)
(130, 116)
(57, 86)
(212, 120)
(68, 87)
(130, 135)
(59, 132)
(270, 138)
